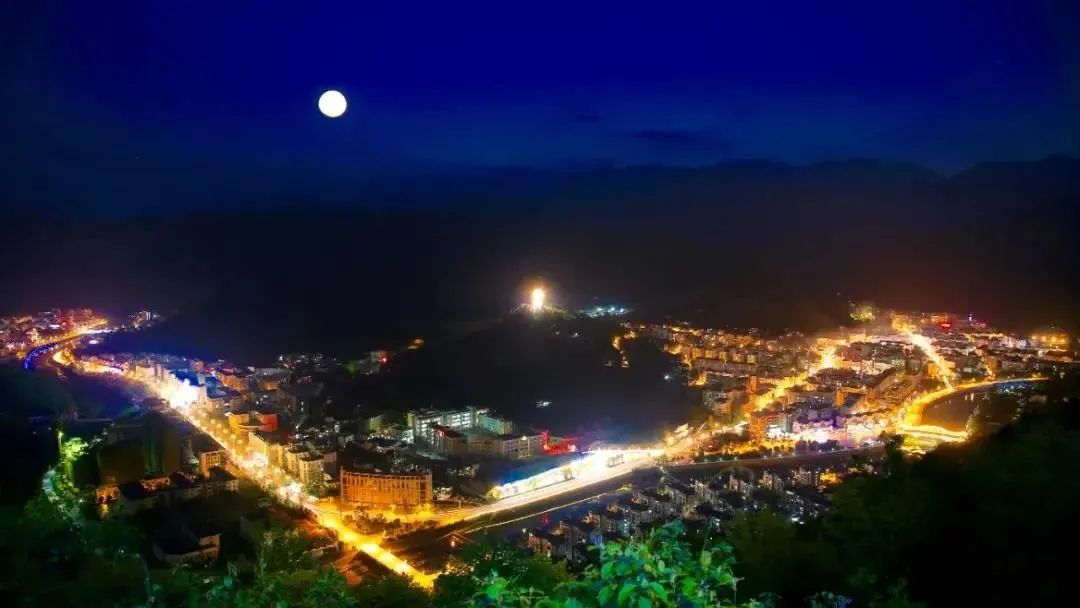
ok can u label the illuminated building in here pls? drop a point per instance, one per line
(658, 503)
(292, 454)
(806, 476)
(493, 423)
(741, 482)
(253, 421)
(309, 469)
(508, 446)
(480, 442)
(386, 489)
(714, 518)
(680, 493)
(271, 378)
(548, 544)
(1050, 338)
(211, 458)
(709, 491)
(221, 397)
(764, 421)
(772, 481)
(423, 422)
(611, 520)
(237, 381)
(269, 445)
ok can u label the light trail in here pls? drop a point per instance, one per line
(280, 483)
(828, 360)
(926, 345)
(591, 469)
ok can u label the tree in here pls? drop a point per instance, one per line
(468, 574)
(283, 551)
(391, 591)
(659, 570)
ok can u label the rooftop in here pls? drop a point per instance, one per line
(220, 474)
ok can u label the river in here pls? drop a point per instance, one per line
(997, 403)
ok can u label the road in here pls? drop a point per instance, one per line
(278, 482)
(29, 361)
(566, 481)
(592, 469)
(595, 474)
(909, 419)
(270, 478)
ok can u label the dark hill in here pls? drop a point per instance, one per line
(518, 361)
(751, 243)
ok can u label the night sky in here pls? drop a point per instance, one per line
(130, 104)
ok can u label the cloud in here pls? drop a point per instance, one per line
(684, 140)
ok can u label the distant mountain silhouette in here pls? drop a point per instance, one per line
(741, 243)
(1054, 178)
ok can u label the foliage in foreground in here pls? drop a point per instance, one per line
(658, 571)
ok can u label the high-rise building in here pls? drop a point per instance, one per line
(309, 469)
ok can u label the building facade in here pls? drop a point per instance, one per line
(362, 488)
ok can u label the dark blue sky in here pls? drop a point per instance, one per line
(109, 100)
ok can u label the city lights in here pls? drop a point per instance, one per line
(183, 397)
(927, 346)
(804, 400)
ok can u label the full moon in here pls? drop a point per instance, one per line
(332, 104)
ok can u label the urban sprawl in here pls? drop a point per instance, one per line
(402, 491)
